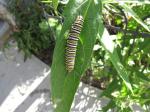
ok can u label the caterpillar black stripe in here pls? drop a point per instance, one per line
(72, 43)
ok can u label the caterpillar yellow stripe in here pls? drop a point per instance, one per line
(72, 42)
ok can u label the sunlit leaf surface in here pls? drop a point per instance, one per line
(63, 84)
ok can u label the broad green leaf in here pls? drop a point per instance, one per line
(110, 48)
(63, 84)
(135, 16)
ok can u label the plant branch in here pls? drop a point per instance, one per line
(131, 32)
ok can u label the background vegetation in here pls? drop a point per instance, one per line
(114, 42)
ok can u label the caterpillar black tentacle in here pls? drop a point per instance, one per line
(72, 42)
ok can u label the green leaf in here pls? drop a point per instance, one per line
(135, 16)
(110, 48)
(63, 84)
(140, 74)
(145, 46)
(55, 4)
(126, 1)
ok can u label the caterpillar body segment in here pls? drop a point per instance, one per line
(72, 42)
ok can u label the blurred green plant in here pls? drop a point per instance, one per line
(122, 56)
(132, 44)
(36, 31)
(119, 57)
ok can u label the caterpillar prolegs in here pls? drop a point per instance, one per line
(72, 42)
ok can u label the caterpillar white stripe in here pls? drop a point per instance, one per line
(72, 42)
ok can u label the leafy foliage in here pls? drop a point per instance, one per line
(34, 32)
(120, 53)
(112, 57)
(128, 44)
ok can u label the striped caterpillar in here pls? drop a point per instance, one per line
(72, 42)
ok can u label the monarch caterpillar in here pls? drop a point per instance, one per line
(72, 42)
